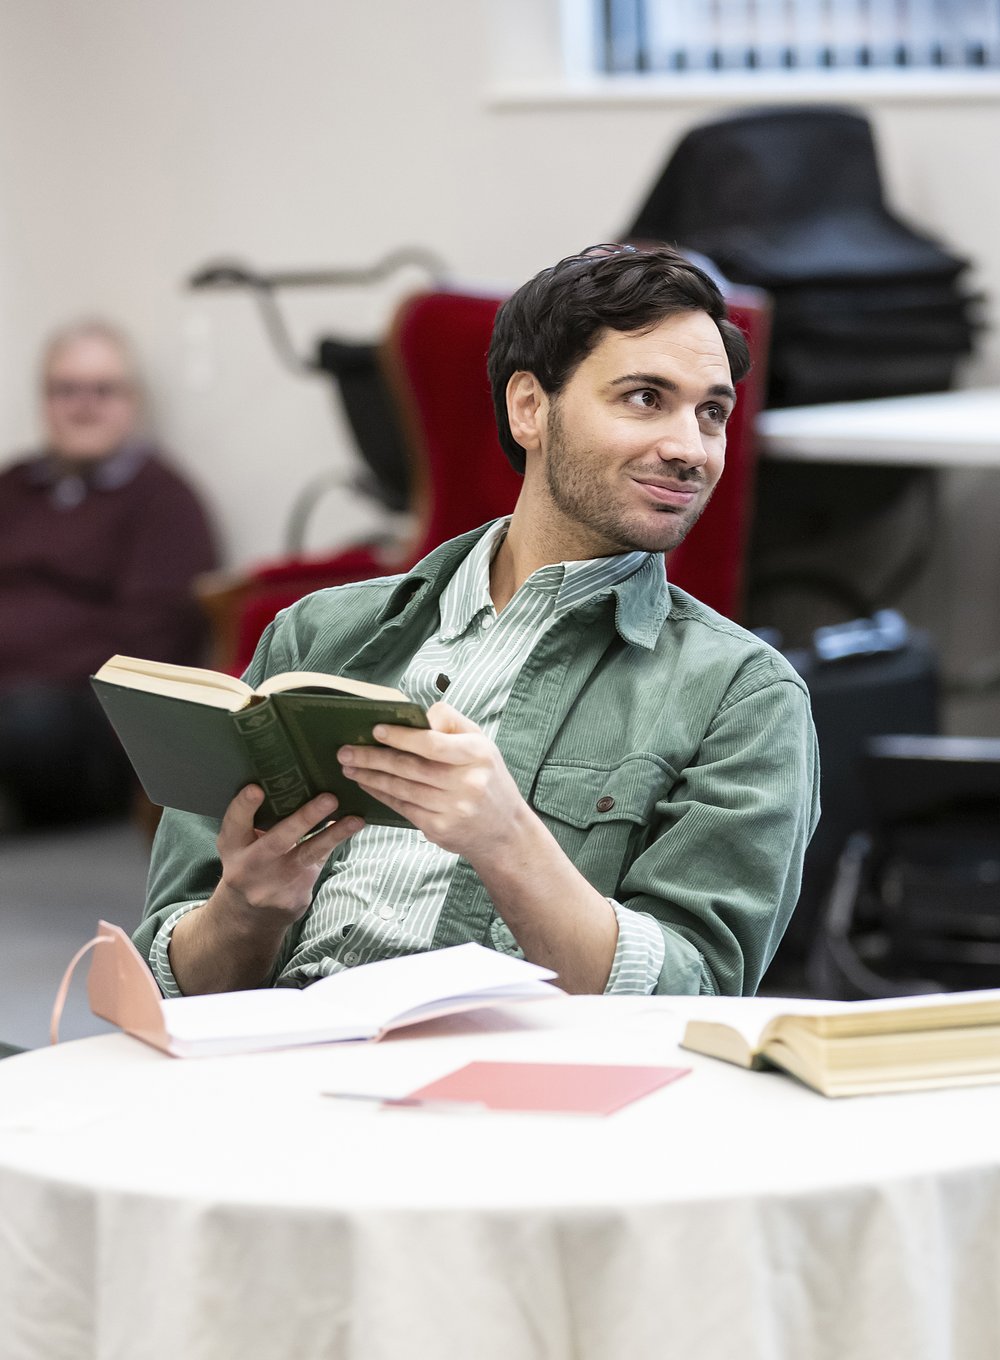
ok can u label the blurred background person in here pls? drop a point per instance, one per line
(99, 543)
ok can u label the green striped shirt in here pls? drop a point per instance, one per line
(386, 890)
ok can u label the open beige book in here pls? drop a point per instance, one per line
(196, 737)
(361, 1003)
(843, 1048)
(216, 688)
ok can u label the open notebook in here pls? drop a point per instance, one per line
(362, 1003)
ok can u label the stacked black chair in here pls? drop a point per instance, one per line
(864, 305)
(791, 199)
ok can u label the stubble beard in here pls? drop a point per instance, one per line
(578, 493)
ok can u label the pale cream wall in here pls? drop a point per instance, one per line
(140, 138)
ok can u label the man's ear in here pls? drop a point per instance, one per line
(527, 409)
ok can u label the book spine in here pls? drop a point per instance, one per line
(278, 769)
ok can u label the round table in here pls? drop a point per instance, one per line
(226, 1209)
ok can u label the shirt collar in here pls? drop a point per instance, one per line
(467, 594)
(635, 579)
(69, 486)
(642, 600)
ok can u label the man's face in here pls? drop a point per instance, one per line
(634, 443)
(90, 399)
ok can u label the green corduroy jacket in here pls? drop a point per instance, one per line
(671, 753)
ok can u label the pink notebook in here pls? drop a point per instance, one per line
(569, 1088)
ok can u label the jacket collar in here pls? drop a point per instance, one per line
(642, 600)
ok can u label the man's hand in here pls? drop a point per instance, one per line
(450, 782)
(267, 884)
(274, 872)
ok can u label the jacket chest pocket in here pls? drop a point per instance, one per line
(602, 818)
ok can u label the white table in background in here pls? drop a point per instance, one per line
(958, 428)
(223, 1209)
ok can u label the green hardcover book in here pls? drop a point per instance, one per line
(196, 737)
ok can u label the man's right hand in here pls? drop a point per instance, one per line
(272, 873)
(266, 885)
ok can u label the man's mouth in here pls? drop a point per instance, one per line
(678, 495)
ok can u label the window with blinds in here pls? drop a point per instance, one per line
(746, 35)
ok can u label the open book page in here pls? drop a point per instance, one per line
(336, 684)
(733, 1027)
(737, 1028)
(201, 686)
(414, 986)
(895, 1014)
(193, 683)
(358, 1003)
(230, 1021)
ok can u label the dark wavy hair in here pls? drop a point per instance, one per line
(550, 325)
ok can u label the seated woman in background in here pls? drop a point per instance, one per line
(99, 543)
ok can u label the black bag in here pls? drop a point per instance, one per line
(865, 678)
(915, 901)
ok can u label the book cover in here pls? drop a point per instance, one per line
(197, 756)
(554, 1088)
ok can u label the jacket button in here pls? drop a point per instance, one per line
(605, 804)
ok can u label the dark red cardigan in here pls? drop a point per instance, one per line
(92, 568)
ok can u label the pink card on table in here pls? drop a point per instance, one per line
(558, 1088)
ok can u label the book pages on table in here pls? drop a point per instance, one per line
(360, 1003)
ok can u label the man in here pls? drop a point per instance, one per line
(621, 783)
(99, 542)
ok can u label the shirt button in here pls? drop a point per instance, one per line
(350, 958)
(387, 913)
(605, 804)
(488, 622)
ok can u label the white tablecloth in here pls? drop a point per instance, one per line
(223, 1209)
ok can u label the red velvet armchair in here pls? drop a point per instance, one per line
(435, 359)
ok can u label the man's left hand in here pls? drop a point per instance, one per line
(450, 781)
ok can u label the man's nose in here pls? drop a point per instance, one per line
(681, 441)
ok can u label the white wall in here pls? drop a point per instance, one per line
(140, 138)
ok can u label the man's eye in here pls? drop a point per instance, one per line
(643, 397)
(715, 414)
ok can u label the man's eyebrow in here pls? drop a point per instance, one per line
(666, 385)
